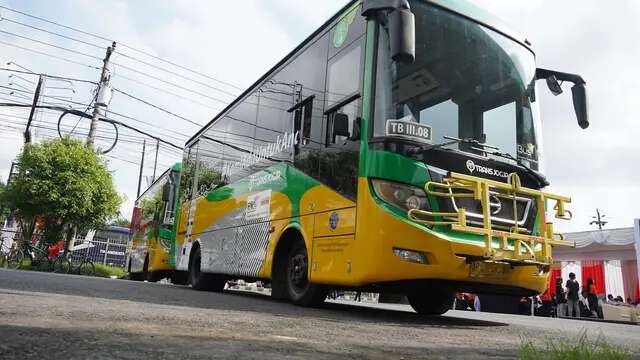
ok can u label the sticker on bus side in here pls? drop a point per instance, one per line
(409, 129)
(258, 205)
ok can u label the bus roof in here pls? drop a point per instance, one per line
(461, 7)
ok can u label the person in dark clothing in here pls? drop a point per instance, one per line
(561, 299)
(573, 292)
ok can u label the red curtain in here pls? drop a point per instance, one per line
(594, 269)
(553, 275)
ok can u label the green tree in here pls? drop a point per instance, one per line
(120, 221)
(64, 182)
(3, 206)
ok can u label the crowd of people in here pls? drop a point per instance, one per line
(570, 301)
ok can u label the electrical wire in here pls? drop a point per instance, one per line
(49, 76)
(120, 53)
(51, 45)
(50, 55)
(157, 107)
(166, 91)
(121, 44)
(50, 32)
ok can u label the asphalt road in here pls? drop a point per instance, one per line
(52, 316)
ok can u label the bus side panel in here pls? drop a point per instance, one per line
(159, 252)
(238, 229)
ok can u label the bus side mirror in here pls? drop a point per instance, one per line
(355, 133)
(340, 125)
(579, 91)
(401, 23)
(166, 192)
(580, 104)
(402, 35)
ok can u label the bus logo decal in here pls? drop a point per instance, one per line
(258, 205)
(333, 220)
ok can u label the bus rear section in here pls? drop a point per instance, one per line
(152, 238)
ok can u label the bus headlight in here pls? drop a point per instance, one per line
(401, 196)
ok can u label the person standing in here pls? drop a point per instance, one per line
(592, 297)
(561, 299)
(573, 295)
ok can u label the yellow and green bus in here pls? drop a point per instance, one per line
(397, 149)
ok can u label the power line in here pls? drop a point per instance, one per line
(176, 74)
(122, 44)
(46, 96)
(166, 91)
(51, 32)
(49, 76)
(172, 84)
(99, 47)
(49, 55)
(157, 107)
(50, 45)
(122, 66)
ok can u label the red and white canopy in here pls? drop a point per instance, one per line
(610, 257)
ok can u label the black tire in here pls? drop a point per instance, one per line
(15, 258)
(87, 268)
(431, 301)
(145, 269)
(180, 278)
(203, 281)
(151, 276)
(301, 291)
(62, 266)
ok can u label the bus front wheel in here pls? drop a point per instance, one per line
(301, 290)
(431, 301)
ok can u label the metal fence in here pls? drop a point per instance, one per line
(100, 250)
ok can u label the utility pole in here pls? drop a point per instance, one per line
(599, 219)
(36, 97)
(104, 95)
(144, 145)
(155, 162)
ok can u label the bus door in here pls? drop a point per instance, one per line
(187, 207)
(334, 227)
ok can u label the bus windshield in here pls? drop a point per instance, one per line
(467, 81)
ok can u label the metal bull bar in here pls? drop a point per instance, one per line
(517, 246)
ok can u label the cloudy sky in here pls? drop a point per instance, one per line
(236, 43)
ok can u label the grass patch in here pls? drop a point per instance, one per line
(108, 271)
(580, 349)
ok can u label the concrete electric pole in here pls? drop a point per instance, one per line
(104, 95)
(36, 97)
(144, 145)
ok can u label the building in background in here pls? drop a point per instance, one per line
(608, 256)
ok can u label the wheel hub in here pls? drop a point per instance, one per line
(298, 271)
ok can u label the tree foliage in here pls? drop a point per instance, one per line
(3, 203)
(66, 183)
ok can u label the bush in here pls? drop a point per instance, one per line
(108, 271)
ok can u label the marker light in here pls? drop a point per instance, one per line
(411, 256)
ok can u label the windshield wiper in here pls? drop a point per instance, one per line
(454, 140)
(540, 179)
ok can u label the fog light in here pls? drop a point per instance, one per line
(411, 256)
